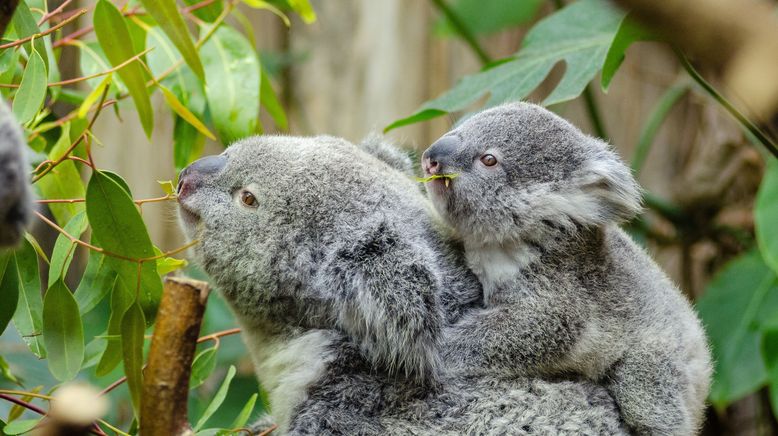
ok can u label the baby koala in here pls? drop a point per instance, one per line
(537, 205)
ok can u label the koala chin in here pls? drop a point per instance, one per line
(344, 284)
(537, 204)
(15, 192)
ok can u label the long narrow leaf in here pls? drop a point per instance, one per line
(218, 398)
(165, 12)
(133, 326)
(32, 90)
(63, 332)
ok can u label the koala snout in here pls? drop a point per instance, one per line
(191, 176)
(440, 155)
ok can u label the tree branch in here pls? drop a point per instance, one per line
(166, 381)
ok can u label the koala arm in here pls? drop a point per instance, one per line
(15, 192)
(524, 335)
(386, 298)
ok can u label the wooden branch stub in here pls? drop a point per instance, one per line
(166, 378)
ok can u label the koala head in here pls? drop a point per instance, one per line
(15, 194)
(523, 174)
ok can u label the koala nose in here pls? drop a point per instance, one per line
(439, 155)
(191, 176)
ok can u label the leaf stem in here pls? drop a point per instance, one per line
(52, 29)
(749, 125)
(463, 30)
(593, 110)
(655, 119)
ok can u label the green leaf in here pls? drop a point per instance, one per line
(208, 13)
(303, 9)
(579, 34)
(25, 24)
(63, 251)
(119, 228)
(133, 326)
(32, 91)
(629, 32)
(766, 215)
(202, 366)
(92, 61)
(436, 176)
(217, 400)
(113, 35)
(233, 83)
(63, 332)
(28, 315)
(9, 289)
(21, 426)
(270, 101)
(739, 298)
(64, 182)
(94, 96)
(188, 143)
(165, 12)
(5, 371)
(121, 300)
(185, 113)
(485, 17)
(245, 413)
(770, 354)
(98, 280)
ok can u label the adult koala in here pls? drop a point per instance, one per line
(15, 194)
(343, 284)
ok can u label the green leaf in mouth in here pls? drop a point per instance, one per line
(436, 176)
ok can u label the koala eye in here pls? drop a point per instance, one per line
(489, 160)
(248, 199)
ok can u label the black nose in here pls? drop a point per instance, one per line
(208, 165)
(440, 154)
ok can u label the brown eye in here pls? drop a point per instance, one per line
(248, 199)
(489, 160)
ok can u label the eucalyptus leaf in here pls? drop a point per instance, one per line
(269, 100)
(121, 300)
(32, 91)
(217, 400)
(232, 84)
(202, 366)
(25, 24)
(64, 250)
(9, 289)
(63, 332)
(97, 281)
(64, 182)
(113, 35)
(20, 426)
(133, 326)
(165, 12)
(29, 311)
(766, 215)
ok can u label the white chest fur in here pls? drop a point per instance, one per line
(495, 264)
(287, 365)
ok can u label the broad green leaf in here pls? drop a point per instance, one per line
(9, 289)
(270, 102)
(64, 182)
(766, 215)
(63, 251)
(217, 400)
(579, 34)
(629, 32)
(188, 143)
(245, 413)
(740, 297)
(28, 315)
(232, 86)
(133, 326)
(25, 24)
(770, 354)
(94, 96)
(202, 366)
(118, 226)
(485, 17)
(113, 35)
(170, 20)
(63, 332)
(32, 91)
(98, 280)
(121, 300)
(21, 426)
(185, 113)
(303, 9)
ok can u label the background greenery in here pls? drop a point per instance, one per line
(201, 59)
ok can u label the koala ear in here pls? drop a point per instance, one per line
(608, 187)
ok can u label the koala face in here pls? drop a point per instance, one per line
(523, 174)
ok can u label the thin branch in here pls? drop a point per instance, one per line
(81, 200)
(217, 335)
(769, 144)
(49, 15)
(463, 30)
(86, 30)
(52, 29)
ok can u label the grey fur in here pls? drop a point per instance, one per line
(15, 193)
(566, 291)
(343, 283)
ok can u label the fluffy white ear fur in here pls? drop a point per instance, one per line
(605, 191)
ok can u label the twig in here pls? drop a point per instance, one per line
(173, 345)
(81, 200)
(59, 9)
(52, 29)
(268, 431)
